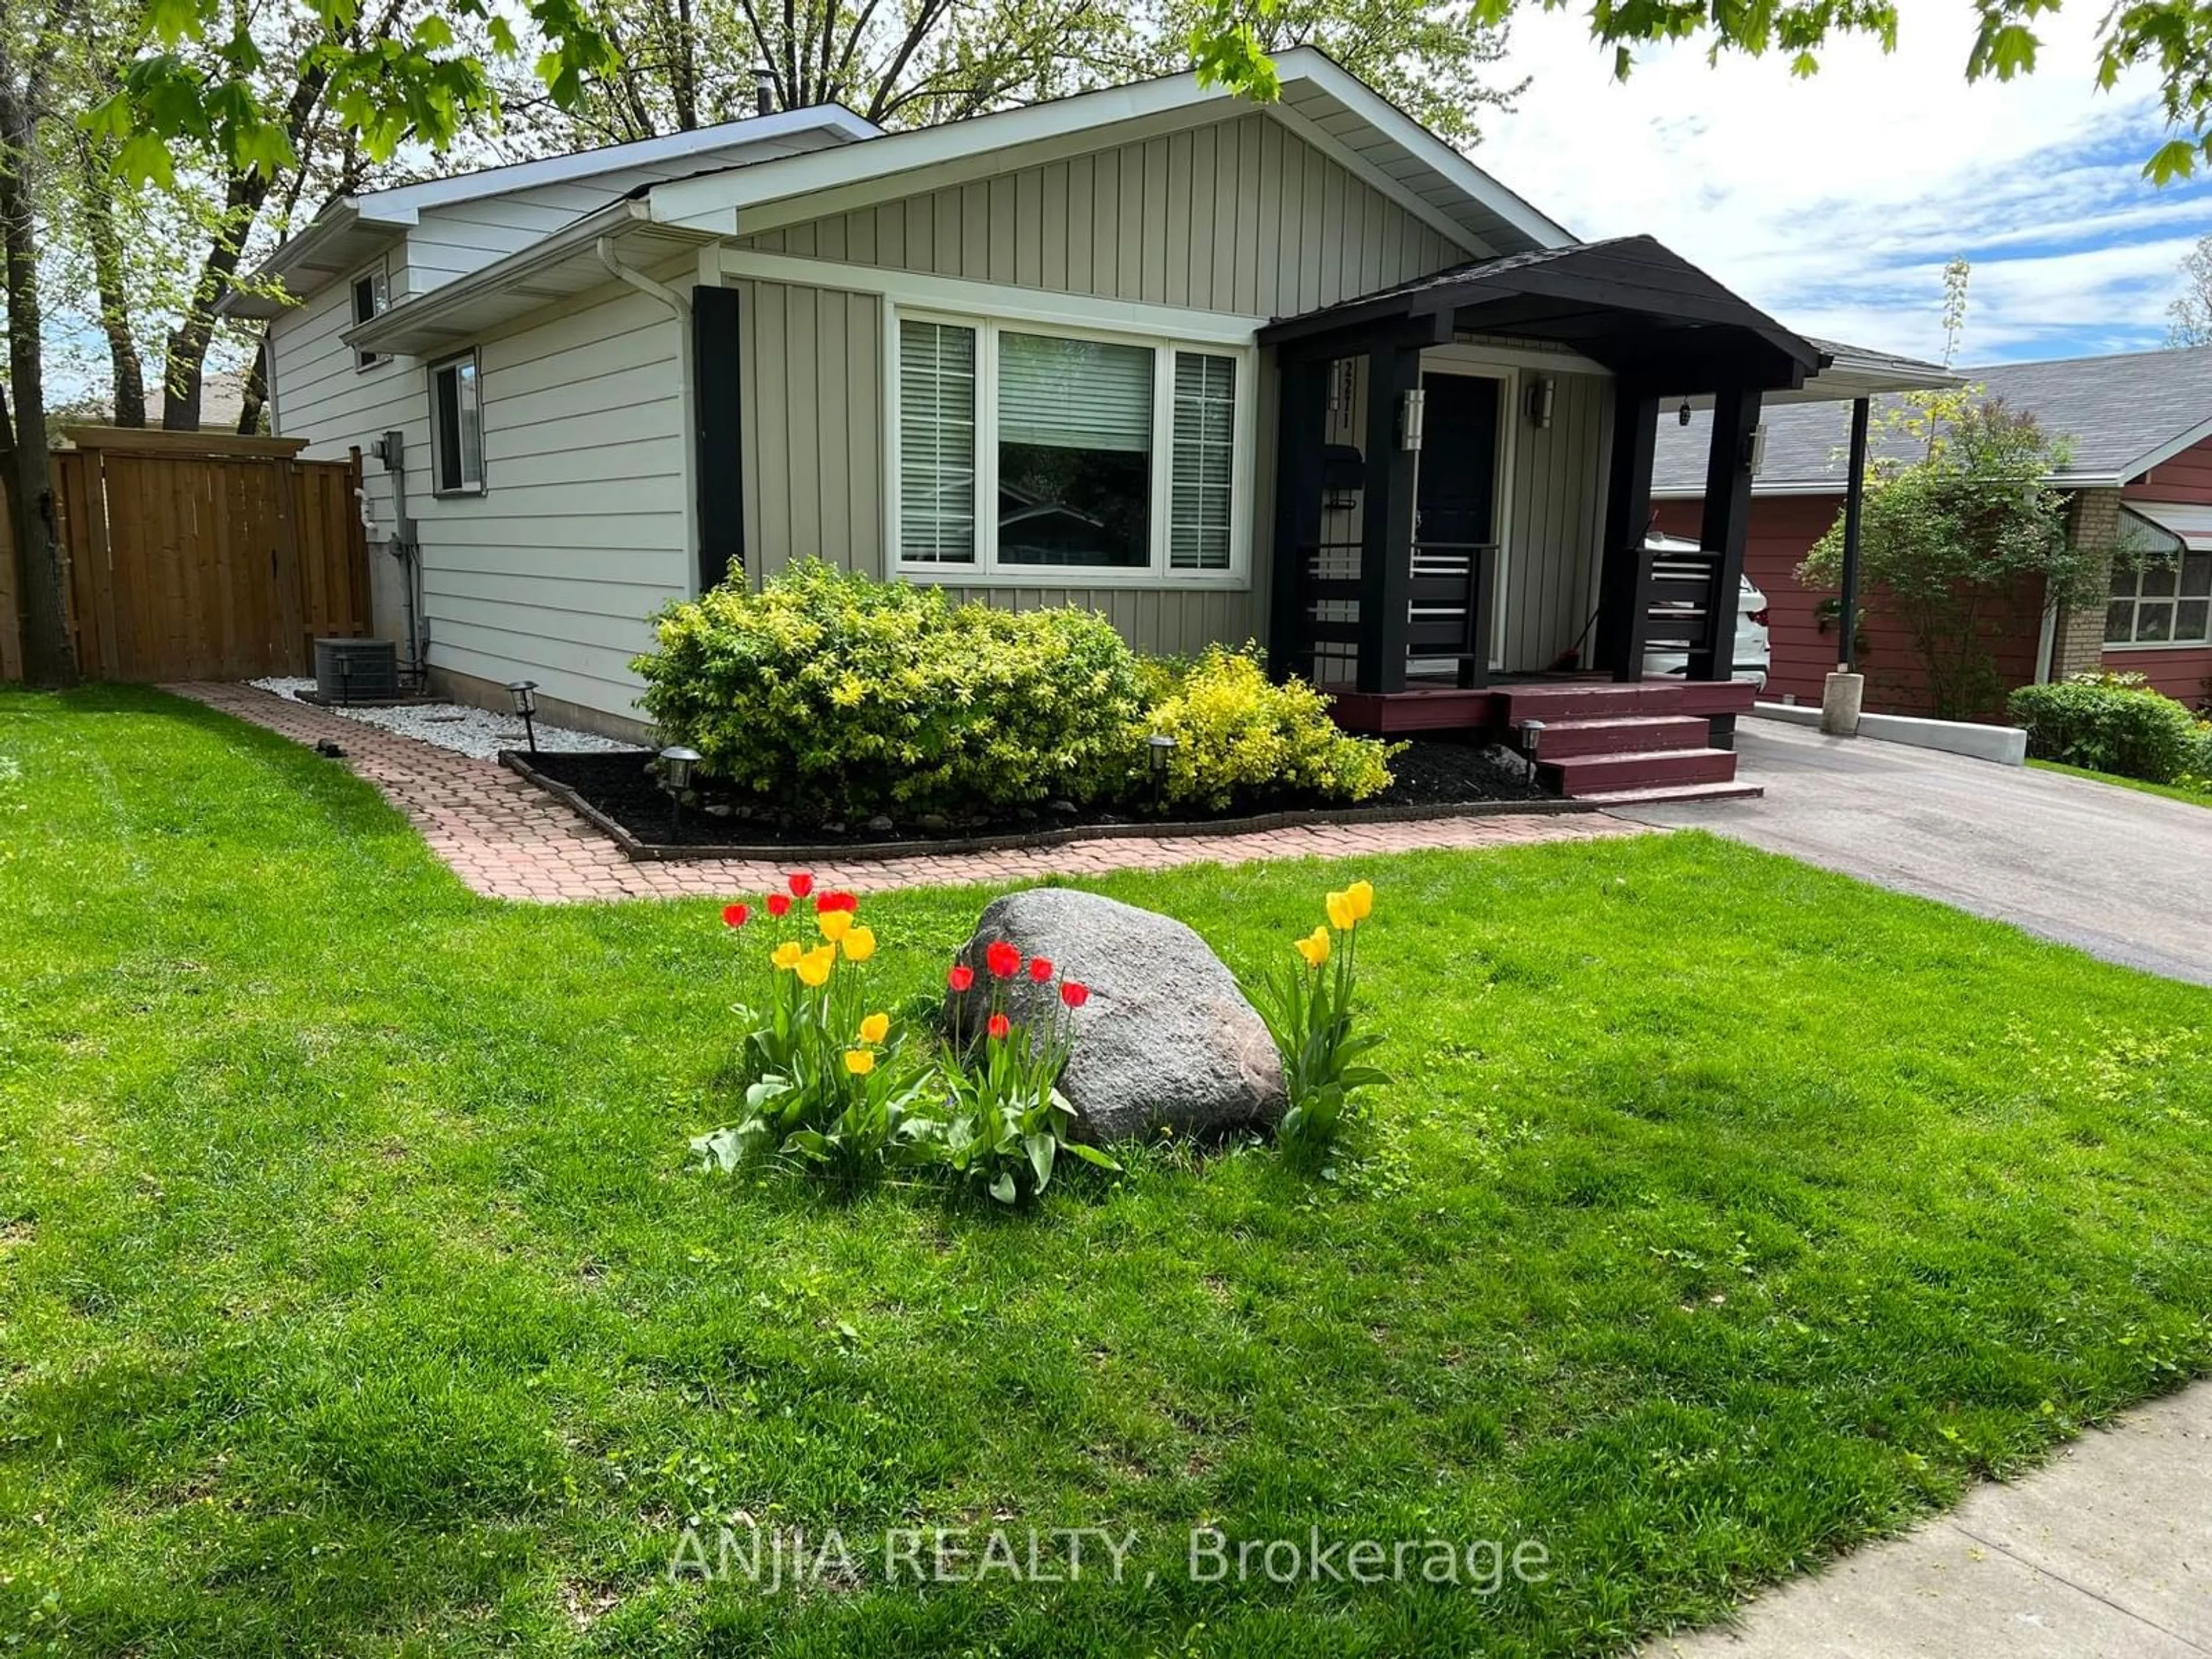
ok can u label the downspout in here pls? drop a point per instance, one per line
(680, 305)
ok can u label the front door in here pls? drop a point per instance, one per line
(1458, 477)
(1454, 501)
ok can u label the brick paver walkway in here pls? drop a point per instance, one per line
(507, 839)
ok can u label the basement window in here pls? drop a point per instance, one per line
(456, 427)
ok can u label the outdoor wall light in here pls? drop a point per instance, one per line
(1158, 748)
(675, 765)
(1412, 408)
(525, 693)
(1542, 392)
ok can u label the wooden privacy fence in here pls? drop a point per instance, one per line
(196, 557)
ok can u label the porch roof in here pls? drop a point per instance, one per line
(1630, 305)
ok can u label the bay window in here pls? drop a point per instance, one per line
(1059, 456)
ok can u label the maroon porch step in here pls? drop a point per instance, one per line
(1577, 776)
(1674, 793)
(1586, 699)
(1614, 734)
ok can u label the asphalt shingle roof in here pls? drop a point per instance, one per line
(2114, 410)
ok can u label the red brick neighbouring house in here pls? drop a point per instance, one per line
(2140, 431)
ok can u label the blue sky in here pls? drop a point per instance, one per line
(1835, 201)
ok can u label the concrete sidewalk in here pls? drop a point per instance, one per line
(2105, 1553)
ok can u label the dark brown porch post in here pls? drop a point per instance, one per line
(1854, 509)
(1620, 618)
(1386, 531)
(1727, 524)
(1301, 434)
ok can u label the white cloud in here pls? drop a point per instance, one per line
(1834, 202)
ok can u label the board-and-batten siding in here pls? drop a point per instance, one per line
(1242, 217)
(1558, 522)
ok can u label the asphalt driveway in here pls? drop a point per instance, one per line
(2120, 874)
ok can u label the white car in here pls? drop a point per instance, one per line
(1754, 650)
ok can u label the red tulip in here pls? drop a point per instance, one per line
(736, 916)
(779, 906)
(802, 884)
(960, 976)
(1074, 995)
(999, 1025)
(1002, 959)
(1040, 969)
(825, 902)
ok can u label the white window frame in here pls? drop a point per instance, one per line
(2172, 558)
(986, 569)
(466, 487)
(379, 277)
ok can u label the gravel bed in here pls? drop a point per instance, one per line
(477, 733)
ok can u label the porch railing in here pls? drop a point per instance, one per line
(1448, 598)
(1681, 605)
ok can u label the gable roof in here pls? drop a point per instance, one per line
(1321, 101)
(1324, 103)
(348, 230)
(2123, 414)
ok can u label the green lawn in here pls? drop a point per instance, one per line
(355, 1296)
(2171, 791)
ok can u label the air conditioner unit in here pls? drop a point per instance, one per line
(356, 670)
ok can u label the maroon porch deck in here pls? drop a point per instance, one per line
(1657, 738)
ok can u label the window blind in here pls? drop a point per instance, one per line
(937, 443)
(1204, 447)
(1074, 394)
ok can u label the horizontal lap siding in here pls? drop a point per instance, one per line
(2185, 674)
(319, 395)
(1241, 217)
(2186, 478)
(1783, 530)
(581, 533)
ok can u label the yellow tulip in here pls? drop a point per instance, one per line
(861, 943)
(860, 1061)
(1314, 947)
(1362, 895)
(787, 954)
(833, 924)
(1340, 912)
(814, 967)
(875, 1028)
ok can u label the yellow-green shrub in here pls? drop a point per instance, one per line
(831, 691)
(1241, 740)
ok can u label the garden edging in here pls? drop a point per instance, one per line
(517, 762)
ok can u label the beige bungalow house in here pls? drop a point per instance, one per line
(1297, 371)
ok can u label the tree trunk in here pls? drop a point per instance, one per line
(108, 278)
(49, 653)
(257, 392)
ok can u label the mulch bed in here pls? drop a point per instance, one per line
(619, 787)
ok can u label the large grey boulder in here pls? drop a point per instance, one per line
(1167, 1039)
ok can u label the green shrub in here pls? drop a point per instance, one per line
(2108, 723)
(1241, 739)
(834, 692)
